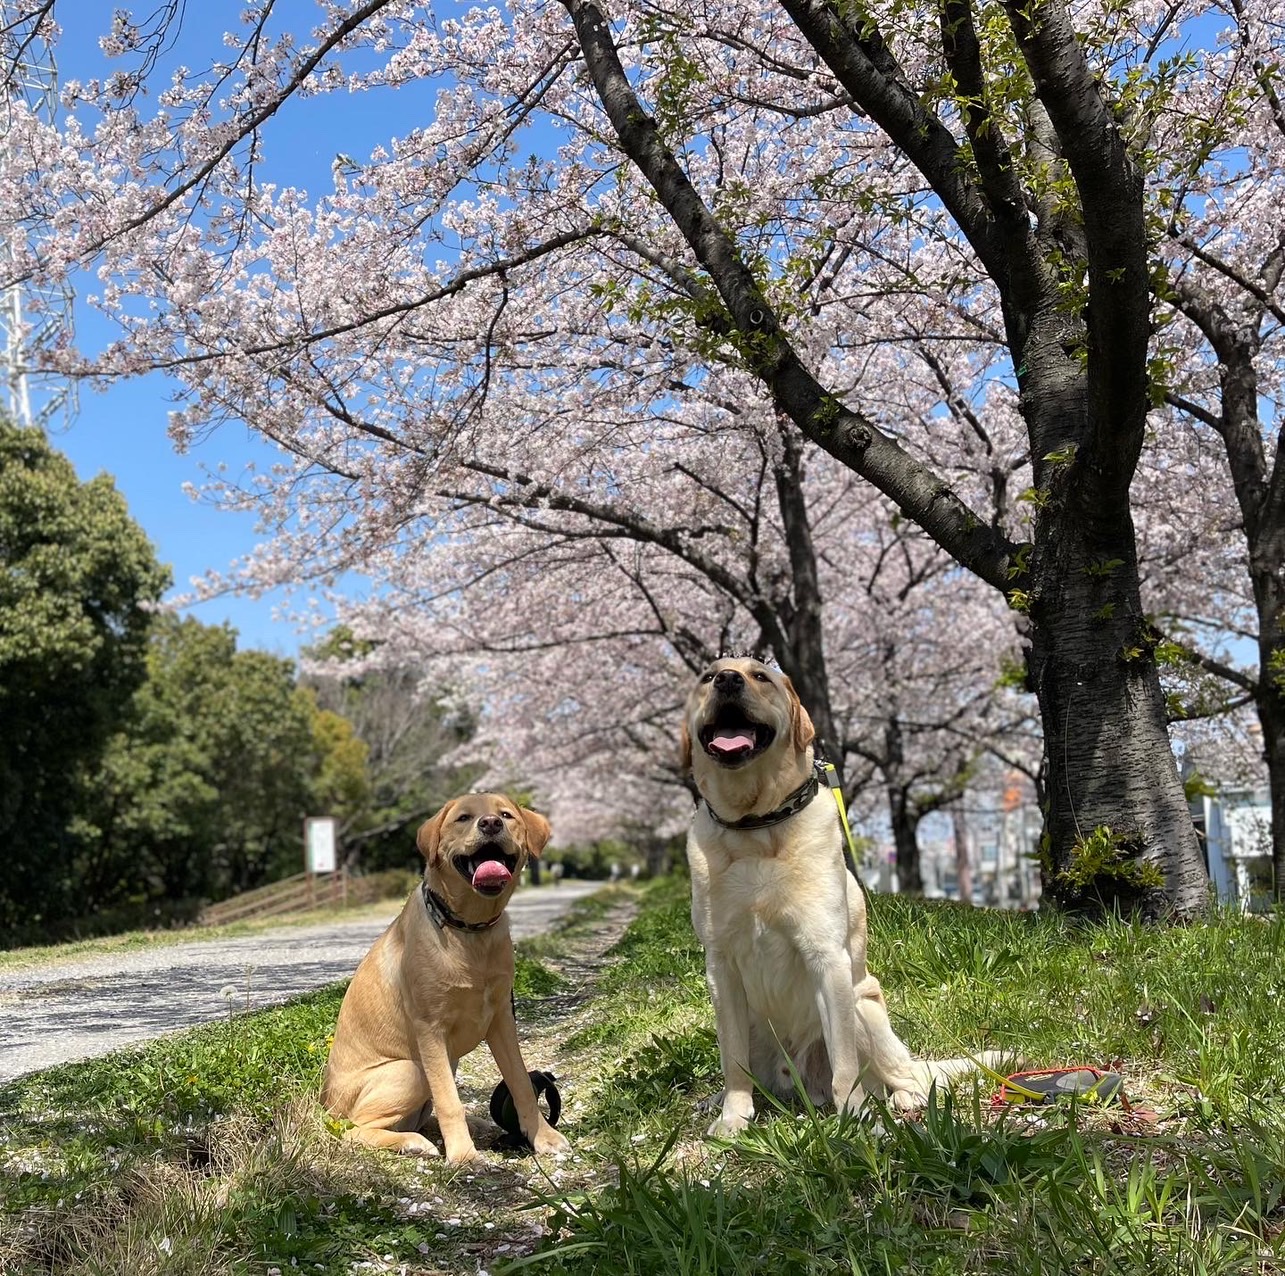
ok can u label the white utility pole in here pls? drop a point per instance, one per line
(35, 313)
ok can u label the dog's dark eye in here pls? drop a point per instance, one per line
(462, 819)
(708, 677)
(506, 815)
(761, 677)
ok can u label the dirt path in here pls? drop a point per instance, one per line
(78, 1008)
(494, 1203)
(546, 1023)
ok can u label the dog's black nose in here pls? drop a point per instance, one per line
(728, 680)
(490, 825)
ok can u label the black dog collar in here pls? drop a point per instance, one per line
(791, 806)
(442, 915)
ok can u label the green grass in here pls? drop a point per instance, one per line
(1192, 1016)
(213, 1144)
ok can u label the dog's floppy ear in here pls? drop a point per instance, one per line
(429, 837)
(538, 830)
(684, 747)
(802, 732)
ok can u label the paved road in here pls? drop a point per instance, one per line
(74, 1009)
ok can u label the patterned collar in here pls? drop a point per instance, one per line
(442, 915)
(791, 806)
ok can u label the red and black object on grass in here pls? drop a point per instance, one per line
(1047, 1085)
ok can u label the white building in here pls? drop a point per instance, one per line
(1235, 828)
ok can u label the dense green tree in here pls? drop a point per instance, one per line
(409, 734)
(78, 580)
(204, 790)
(341, 786)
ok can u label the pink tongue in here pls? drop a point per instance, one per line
(726, 742)
(491, 875)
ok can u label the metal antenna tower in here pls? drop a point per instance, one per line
(34, 314)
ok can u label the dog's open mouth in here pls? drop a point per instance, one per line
(732, 738)
(489, 868)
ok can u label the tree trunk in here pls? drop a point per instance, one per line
(963, 861)
(656, 857)
(1117, 829)
(1269, 591)
(905, 839)
(902, 812)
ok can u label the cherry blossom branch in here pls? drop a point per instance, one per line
(244, 128)
(1256, 290)
(634, 525)
(1260, 499)
(694, 653)
(14, 56)
(1228, 673)
(1194, 410)
(1267, 77)
(846, 434)
(397, 310)
(675, 271)
(852, 47)
(842, 102)
(1204, 713)
(714, 490)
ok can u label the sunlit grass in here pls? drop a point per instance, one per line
(1190, 1181)
(214, 1142)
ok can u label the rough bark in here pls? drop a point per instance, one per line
(1108, 762)
(905, 840)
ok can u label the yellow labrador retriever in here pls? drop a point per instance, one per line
(437, 983)
(782, 922)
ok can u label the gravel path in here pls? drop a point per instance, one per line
(74, 1009)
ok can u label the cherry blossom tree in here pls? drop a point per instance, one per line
(932, 239)
(1225, 349)
(926, 655)
(794, 562)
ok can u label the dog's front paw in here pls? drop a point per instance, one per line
(548, 1142)
(907, 1100)
(465, 1154)
(738, 1111)
(412, 1144)
(908, 1089)
(728, 1125)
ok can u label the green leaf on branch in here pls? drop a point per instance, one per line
(1102, 566)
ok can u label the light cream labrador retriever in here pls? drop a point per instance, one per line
(782, 921)
(437, 983)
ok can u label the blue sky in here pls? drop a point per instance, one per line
(122, 429)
